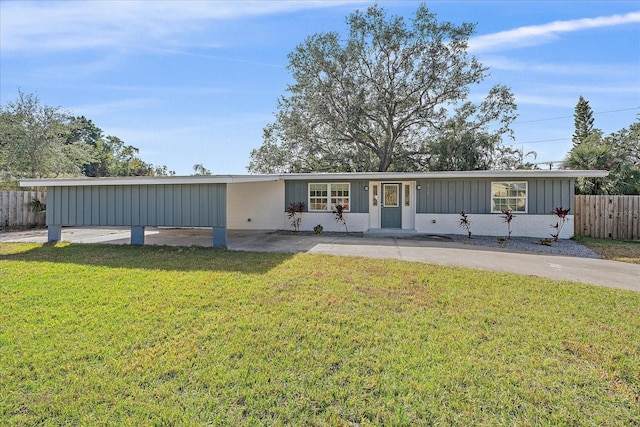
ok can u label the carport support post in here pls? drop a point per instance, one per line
(219, 237)
(54, 233)
(137, 236)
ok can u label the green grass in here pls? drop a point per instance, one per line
(616, 250)
(106, 335)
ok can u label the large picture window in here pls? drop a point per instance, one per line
(325, 197)
(508, 196)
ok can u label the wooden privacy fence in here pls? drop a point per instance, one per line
(15, 208)
(607, 217)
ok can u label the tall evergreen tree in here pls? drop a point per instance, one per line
(583, 119)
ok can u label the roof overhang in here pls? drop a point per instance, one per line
(146, 180)
(500, 174)
(370, 176)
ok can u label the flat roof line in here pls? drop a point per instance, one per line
(374, 176)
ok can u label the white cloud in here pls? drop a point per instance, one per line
(623, 70)
(545, 100)
(221, 58)
(118, 106)
(67, 25)
(538, 34)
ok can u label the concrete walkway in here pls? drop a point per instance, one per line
(585, 270)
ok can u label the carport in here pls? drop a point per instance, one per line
(139, 202)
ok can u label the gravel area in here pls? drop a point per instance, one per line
(564, 247)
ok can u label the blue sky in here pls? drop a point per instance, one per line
(196, 81)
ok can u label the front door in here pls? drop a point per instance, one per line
(391, 210)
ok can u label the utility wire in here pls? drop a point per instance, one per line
(541, 141)
(568, 117)
(562, 117)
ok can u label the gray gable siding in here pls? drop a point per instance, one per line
(474, 195)
(298, 191)
(174, 205)
(453, 196)
(550, 194)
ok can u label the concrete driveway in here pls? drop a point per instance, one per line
(429, 250)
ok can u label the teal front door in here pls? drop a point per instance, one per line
(391, 210)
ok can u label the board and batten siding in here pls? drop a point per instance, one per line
(171, 205)
(298, 191)
(449, 196)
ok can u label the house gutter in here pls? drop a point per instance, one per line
(371, 176)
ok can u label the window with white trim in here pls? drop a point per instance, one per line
(407, 193)
(325, 196)
(509, 196)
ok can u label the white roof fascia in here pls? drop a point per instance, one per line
(372, 176)
(255, 178)
(146, 180)
(502, 174)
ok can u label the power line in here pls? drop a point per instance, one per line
(562, 117)
(568, 117)
(541, 141)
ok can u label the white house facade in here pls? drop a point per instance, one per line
(429, 202)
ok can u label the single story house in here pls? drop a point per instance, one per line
(425, 202)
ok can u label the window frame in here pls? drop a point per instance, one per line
(328, 197)
(398, 191)
(493, 196)
(407, 195)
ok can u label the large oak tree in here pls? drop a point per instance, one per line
(379, 100)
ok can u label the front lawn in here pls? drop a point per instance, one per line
(97, 335)
(617, 250)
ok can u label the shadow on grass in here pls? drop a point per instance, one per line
(166, 258)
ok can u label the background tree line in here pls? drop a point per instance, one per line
(39, 141)
(618, 153)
